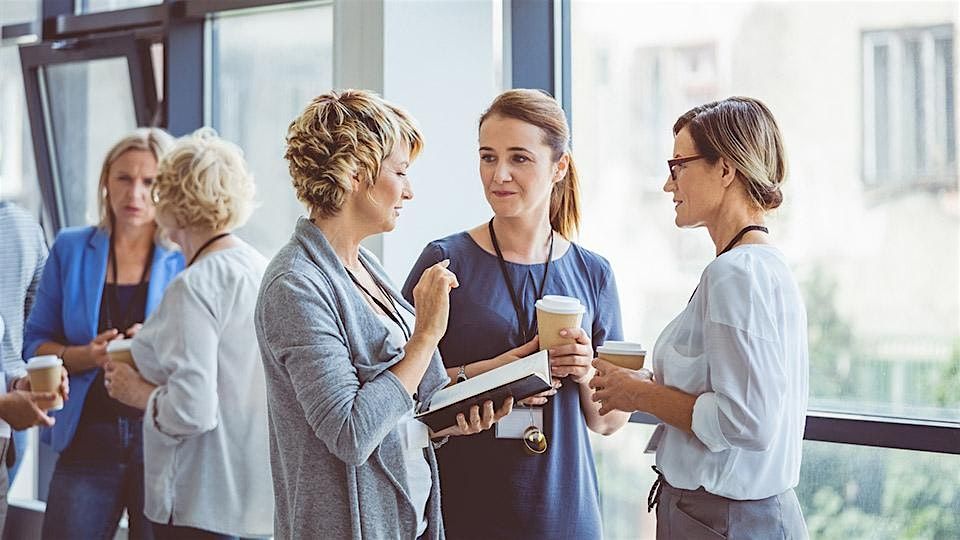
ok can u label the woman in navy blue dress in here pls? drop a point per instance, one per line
(492, 487)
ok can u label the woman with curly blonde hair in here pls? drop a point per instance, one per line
(347, 361)
(200, 380)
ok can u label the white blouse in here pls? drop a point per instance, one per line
(741, 346)
(415, 436)
(205, 438)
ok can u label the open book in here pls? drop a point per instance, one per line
(521, 379)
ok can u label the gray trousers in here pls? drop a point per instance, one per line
(683, 514)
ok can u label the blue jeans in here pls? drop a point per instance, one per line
(96, 477)
(20, 444)
(176, 532)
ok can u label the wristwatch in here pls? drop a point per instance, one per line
(462, 373)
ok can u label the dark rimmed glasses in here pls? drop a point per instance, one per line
(673, 163)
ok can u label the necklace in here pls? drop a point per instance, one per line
(514, 297)
(393, 312)
(205, 245)
(113, 301)
(732, 243)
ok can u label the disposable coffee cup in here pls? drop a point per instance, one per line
(119, 351)
(625, 354)
(554, 313)
(44, 372)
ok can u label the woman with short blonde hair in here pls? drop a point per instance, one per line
(347, 361)
(99, 284)
(199, 378)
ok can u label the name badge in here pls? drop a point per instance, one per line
(515, 424)
(655, 439)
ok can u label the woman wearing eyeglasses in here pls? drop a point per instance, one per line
(504, 266)
(730, 373)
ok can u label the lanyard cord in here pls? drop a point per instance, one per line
(113, 300)
(732, 243)
(506, 279)
(205, 245)
(393, 312)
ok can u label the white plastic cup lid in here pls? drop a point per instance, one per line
(560, 304)
(119, 345)
(621, 347)
(44, 362)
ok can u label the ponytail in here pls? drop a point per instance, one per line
(565, 203)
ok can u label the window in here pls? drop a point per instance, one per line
(908, 102)
(846, 491)
(878, 265)
(19, 11)
(98, 91)
(266, 67)
(18, 175)
(91, 6)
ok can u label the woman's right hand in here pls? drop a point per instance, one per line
(432, 298)
(97, 349)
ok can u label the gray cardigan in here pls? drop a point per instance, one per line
(336, 450)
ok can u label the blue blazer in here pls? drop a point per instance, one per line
(67, 309)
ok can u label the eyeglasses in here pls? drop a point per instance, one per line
(672, 163)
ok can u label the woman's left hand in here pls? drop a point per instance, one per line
(619, 389)
(573, 360)
(124, 384)
(477, 422)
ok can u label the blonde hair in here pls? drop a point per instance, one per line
(148, 139)
(339, 135)
(741, 130)
(538, 108)
(203, 182)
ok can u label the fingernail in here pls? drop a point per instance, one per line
(564, 333)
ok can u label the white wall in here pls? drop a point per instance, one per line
(439, 65)
(436, 60)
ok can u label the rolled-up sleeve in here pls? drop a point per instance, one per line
(303, 332)
(744, 408)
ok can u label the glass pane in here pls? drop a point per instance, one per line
(91, 108)
(90, 6)
(861, 492)
(625, 476)
(845, 491)
(266, 67)
(879, 266)
(18, 11)
(18, 174)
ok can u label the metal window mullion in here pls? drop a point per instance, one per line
(869, 135)
(895, 110)
(51, 147)
(934, 139)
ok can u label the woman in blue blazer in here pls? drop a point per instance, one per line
(99, 284)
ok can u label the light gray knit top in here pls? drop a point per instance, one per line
(334, 407)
